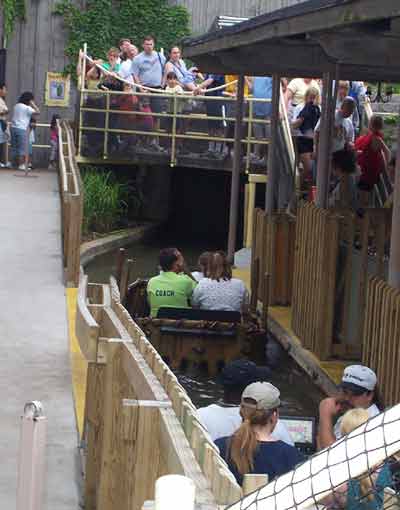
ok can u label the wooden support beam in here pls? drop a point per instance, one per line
(273, 170)
(237, 160)
(394, 261)
(325, 142)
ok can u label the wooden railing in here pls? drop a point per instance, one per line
(140, 423)
(71, 191)
(335, 252)
(381, 338)
(272, 258)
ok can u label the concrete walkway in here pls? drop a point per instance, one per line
(34, 356)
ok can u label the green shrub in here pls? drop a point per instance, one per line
(104, 201)
(103, 22)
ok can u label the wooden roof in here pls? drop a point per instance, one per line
(358, 38)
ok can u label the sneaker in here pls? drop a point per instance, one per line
(22, 168)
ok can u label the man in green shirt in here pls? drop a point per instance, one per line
(172, 287)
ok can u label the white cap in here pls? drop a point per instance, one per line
(265, 395)
(359, 375)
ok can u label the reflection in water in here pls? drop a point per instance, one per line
(145, 256)
(298, 395)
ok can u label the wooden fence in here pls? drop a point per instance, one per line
(317, 242)
(335, 252)
(381, 349)
(272, 257)
(139, 422)
(71, 191)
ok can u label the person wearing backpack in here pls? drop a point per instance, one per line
(148, 70)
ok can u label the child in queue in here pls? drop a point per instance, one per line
(53, 142)
(173, 87)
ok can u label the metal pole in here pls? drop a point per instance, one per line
(32, 455)
(235, 183)
(325, 141)
(394, 260)
(273, 170)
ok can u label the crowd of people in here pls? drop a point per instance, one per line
(20, 132)
(247, 429)
(355, 171)
(253, 439)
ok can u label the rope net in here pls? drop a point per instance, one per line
(358, 472)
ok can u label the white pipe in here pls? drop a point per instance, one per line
(363, 449)
(175, 492)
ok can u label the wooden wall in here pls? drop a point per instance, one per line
(203, 12)
(37, 46)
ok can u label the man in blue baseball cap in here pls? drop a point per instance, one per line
(224, 421)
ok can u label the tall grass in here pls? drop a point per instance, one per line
(104, 201)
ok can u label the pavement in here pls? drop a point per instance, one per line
(35, 359)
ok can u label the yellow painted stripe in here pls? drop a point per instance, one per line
(78, 362)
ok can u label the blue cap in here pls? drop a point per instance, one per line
(243, 372)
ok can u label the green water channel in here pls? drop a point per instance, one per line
(300, 397)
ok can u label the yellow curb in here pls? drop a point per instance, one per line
(78, 362)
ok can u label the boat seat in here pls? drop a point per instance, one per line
(194, 314)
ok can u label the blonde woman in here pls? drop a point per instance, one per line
(305, 117)
(366, 492)
(252, 449)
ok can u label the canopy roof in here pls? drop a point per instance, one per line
(358, 39)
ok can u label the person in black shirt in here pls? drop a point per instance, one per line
(252, 449)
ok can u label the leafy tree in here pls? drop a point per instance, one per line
(104, 22)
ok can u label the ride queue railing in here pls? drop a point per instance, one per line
(71, 191)
(100, 115)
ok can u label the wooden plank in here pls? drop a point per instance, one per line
(112, 492)
(253, 482)
(141, 479)
(87, 329)
(94, 414)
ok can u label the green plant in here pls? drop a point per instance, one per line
(104, 204)
(12, 10)
(104, 22)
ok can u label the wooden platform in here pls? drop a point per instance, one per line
(325, 374)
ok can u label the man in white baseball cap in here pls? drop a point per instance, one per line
(357, 389)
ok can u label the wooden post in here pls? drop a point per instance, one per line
(394, 261)
(121, 257)
(325, 141)
(251, 204)
(237, 159)
(273, 171)
(94, 412)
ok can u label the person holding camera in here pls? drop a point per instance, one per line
(357, 390)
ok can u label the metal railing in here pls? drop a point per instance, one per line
(109, 131)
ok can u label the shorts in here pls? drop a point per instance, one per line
(18, 142)
(53, 150)
(214, 109)
(304, 145)
(260, 130)
(157, 104)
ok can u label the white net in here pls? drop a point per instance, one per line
(358, 472)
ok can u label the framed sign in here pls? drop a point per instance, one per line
(57, 89)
